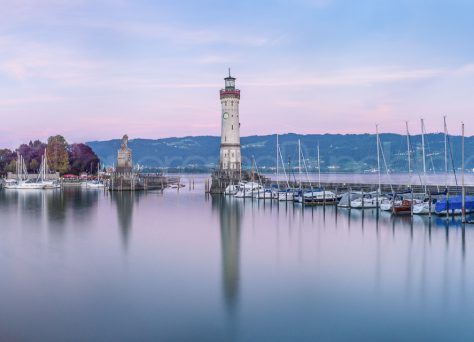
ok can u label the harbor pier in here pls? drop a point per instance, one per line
(125, 178)
(139, 181)
(368, 187)
(221, 179)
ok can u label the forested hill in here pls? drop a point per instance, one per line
(338, 152)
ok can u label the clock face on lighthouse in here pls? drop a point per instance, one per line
(226, 115)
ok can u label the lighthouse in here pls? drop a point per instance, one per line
(230, 158)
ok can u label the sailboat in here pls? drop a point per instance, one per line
(231, 189)
(288, 193)
(347, 198)
(44, 170)
(248, 189)
(96, 183)
(454, 205)
(371, 199)
(367, 200)
(22, 181)
(312, 196)
(459, 204)
(407, 206)
(428, 205)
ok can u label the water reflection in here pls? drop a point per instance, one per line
(231, 268)
(52, 208)
(124, 202)
(230, 217)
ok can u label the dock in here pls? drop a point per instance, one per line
(339, 187)
(141, 181)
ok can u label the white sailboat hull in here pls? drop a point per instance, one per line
(368, 203)
(423, 208)
(286, 196)
(25, 186)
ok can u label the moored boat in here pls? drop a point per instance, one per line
(264, 193)
(95, 184)
(347, 198)
(367, 201)
(453, 205)
(425, 207)
(25, 185)
(403, 207)
(247, 190)
(317, 197)
(286, 195)
(231, 190)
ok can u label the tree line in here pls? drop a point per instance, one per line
(62, 157)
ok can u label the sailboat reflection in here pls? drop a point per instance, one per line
(230, 213)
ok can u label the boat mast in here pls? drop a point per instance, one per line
(17, 165)
(45, 163)
(378, 155)
(409, 154)
(408, 149)
(423, 150)
(445, 150)
(287, 177)
(463, 208)
(319, 169)
(278, 146)
(299, 160)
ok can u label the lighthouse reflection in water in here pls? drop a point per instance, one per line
(230, 225)
(182, 265)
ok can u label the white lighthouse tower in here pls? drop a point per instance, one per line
(230, 158)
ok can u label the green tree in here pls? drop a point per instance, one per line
(34, 165)
(6, 156)
(58, 159)
(11, 166)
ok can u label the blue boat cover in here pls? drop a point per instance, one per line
(453, 203)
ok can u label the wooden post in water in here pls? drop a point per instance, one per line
(447, 205)
(463, 190)
(377, 200)
(429, 206)
(350, 198)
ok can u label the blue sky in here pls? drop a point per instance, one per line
(98, 69)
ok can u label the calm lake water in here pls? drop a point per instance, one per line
(80, 265)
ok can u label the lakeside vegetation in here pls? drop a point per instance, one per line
(62, 157)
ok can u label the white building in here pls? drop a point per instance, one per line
(230, 158)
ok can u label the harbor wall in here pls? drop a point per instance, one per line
(384, 187)
(138, 182)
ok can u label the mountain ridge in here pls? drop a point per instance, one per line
(338, 152)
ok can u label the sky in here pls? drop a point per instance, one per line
(95, 70)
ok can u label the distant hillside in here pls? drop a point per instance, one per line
(338, 152)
